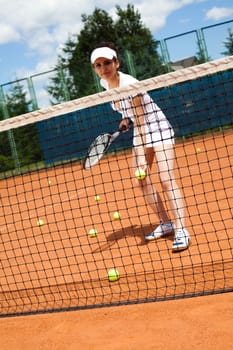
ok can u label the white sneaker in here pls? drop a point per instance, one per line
(161, 231)
(181, 241)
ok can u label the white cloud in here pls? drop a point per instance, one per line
(8, 33)
(155, 15)
(43, 26)
(40, 24)
(54, 19)
(218, 13)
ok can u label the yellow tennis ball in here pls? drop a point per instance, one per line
(49, 182)
(97, 198)
(198, 150)
(116, 215)
(140, 174)
(113, 275)
(93, 232)
(40, 222)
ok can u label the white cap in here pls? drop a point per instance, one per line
(104, 52)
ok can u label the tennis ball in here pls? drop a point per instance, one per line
(97, 198)
(40, 222)
(113, 275)
(49, 182)
(140, 174)
(93, 233)
(116, 215)
(198, 149)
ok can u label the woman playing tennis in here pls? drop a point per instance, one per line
(153, 138)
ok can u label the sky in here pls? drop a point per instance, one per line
(32, 33)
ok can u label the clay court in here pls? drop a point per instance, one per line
(195, 323)
(58, 267)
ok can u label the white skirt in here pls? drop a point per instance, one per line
(158, 130)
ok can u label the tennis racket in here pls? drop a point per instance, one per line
(99, 147)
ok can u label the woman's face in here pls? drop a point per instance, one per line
(106, 69)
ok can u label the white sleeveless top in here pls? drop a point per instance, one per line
(157, 127)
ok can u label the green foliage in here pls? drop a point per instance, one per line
(228, 43)
(129, 35)
(133, 36)
(22, 142)
(16, 100)
(201, 57)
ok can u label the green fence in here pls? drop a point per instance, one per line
(199, 40)
(36, 91)
(207, 40)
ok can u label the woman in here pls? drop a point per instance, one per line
(153, 137)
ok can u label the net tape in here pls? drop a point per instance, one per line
(164, 80)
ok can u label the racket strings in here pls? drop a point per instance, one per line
(96, 150)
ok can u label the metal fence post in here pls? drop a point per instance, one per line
(32, 93)
(165, 55)
(202, 44)
(10, 133)
(130, 63)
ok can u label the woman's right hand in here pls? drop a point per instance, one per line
(125, 124)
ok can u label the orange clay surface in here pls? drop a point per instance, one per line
(57, 265)
(202, 323)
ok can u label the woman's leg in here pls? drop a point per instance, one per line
(165, 159)
(152, 197)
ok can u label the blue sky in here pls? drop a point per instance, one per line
(32, 33)
(213, 16)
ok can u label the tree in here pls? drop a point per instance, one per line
(133, 36)
(129, 34)
(24, 139)
(74, 62)
(202, 56)
(228, 44)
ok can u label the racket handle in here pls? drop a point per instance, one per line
(123, 128)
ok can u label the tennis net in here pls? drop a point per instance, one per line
(59, 236)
